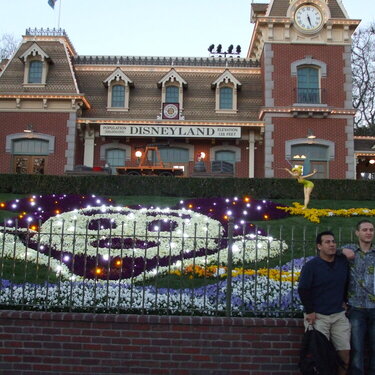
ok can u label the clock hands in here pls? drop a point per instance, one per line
(308, 18)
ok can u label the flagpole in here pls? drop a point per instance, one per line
(58, 23)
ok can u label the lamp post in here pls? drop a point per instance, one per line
(199, 165)
(138, 155)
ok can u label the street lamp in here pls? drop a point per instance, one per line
(138, 155)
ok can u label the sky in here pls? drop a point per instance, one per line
(147, 27)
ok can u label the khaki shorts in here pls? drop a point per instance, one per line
(336, 327)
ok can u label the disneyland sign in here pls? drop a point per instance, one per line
(170, 131)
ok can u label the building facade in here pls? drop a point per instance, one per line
(287, 102)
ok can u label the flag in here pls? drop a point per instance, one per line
(52, 3)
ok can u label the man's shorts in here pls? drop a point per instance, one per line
(336, 327)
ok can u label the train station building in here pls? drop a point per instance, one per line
(288, 102)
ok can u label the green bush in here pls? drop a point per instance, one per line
(268, 188)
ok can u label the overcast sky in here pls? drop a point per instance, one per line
(147, 27)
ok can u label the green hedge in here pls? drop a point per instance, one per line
(267, 188)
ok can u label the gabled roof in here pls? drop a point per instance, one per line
(118, 75)
(172, 76)
(226, 77)
(34, 50)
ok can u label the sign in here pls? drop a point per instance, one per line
(171, 131)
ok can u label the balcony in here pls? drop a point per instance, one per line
(310, 96)
(310, 102)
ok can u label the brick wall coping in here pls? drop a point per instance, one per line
(151, 319)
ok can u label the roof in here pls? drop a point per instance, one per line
(60, 78)
(278, 8)
(145, 96)
(364, 144)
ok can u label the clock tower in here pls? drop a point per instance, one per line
(304, 47)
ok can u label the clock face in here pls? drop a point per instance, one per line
(170, 111)
(308, 18)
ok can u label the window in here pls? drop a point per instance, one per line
(115, 158)
(36, 66)
(226, 88)
(174, 155)
(30, 147)
(118, 96)
(172, 91)
(118, 84)
(226, 98)
(35, 71)
(171, 94)
(309, 74)
(224, 161)
(308, 85)
(311, 157)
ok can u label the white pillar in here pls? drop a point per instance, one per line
(251, 153)
(88, 157)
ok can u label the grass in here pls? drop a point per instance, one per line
(298, 232)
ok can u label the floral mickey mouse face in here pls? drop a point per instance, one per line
(109, 236)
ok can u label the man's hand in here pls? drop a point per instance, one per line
(349, 253)
(310, 318)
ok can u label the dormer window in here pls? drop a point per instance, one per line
(226, 97)
(226, 87)
(172, 93)
(36, 66)
(118, 96)
(35, 71)
(118, 84)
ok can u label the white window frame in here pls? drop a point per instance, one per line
(118, 77)
(309, 62)
(172, 78)
(35, 53)
(226, 79)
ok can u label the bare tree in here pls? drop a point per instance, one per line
(363, 67)
(8, 44)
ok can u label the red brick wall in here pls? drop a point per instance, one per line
(328, 129)
(333, 84)
(77, 343)
(47, 123)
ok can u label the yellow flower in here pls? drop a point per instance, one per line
(314, 214)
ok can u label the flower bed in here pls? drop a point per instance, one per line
(101, 250)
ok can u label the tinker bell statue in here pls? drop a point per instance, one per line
(308, 186)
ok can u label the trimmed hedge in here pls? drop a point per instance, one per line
(267, 188)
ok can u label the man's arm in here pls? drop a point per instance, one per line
(347, 250)
(306, 299)
(305, 293)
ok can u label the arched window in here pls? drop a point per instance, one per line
(311, 157)
(226, 98)
(224, 161)
(35, 71)
(308, 85)
(30, 147)
(171, 94)
(115, 157)
(118, 96)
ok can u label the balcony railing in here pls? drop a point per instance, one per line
(307, 95)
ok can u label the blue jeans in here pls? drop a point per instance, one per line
(363, 324)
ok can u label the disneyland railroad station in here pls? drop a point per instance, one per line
(288, 102)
